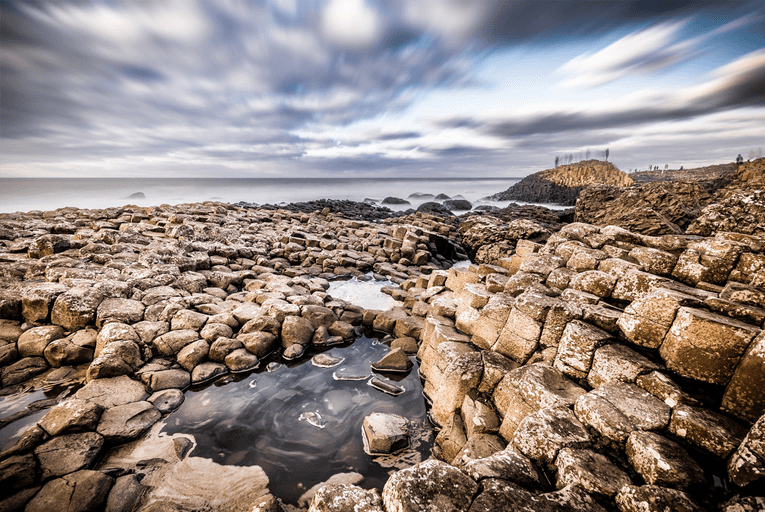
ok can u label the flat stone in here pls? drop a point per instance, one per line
(68, 453)
(665, 389)
(662, 462)
(654, 498)
(429, 486)
(167, 400)
(73, 415)
(407, 344)
(115, 309)
(385, 433)
(507, 464)
(18, 471)
(618, 363)
(187, 319)
(602, 416)
(644, 410)
(577, 348)
(22, 370)
(541, 435)
(705, 346)
(111, 392)
(707, 430)
(172, 342)
(126, 422)
(592, 471)
(81, 491)
(520, 336)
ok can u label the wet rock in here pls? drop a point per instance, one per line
(222, 347)
(509, 465)
(125, 494)
(653, 498)
(81, 491)
(577, 348)
(74, 415)
(543, 434)
(394, 361)
(168, 379)
(205, 372)
(336, 497)
(126, 311)
(32, 342)
(193, 354)
(293, 352)
(126, 422)
(319, 315)
(111, 392)
(18, 471)
(18, 501)
(385, 433)
(22, 370)
(167, 400)
(76, 308)
(592, 471)
(75, 349)
(172, 342)
(121, 357)
(705, 346)
(240, 360)
(743, 397)
(707, 430)
(296, 331)
(68, 453)
(429, 486)
(662, 462)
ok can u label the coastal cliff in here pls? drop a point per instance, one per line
(561, 185)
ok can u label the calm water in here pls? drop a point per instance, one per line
(48, 194)
(300, 424)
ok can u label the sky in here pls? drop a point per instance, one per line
(375, 88)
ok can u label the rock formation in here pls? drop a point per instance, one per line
(561, 185)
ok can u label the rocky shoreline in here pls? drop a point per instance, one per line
(571, 367)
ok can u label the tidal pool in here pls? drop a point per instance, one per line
(302, 423)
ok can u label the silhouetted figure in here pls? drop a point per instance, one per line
(739, 159)
(606, 154)
(556, 161)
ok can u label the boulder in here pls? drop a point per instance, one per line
(385, 433)
(193, 354)
(603, 417)
(743, 397)
(76, 308)
(519, 337)
(115, 309)
(707, 430)
(296, 330)
(18, 471)
(172, 342)
(394, 361)
(577, 348)
(541, 435)
(654, 498)
(73, 415)
(451, 438)
(167, 400)
(81, 491)
(174, 378)
(477, 447)
(32, 342)
(212, 331)
(186, 319)
(22, 370)
(240, 360)
(114, 331)
(118, 358)
(618, 363)
(111, 392)
(706, 346)
(644, 410)
(68, 453)
(662, 462)
(37, 299)
(222, 347)
(75, 349)
(592, 471)
(429, 486)
(346, 498)
(747, 464)
(125, 495)
(509, 465)
(127, 422)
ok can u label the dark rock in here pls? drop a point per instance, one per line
(125, 495)
(68, 453)
(167, 400)
(395, 200)
(74, 415)
(429, 486)
(662, 462)
(653, 498)
(82, 491)
(126, 422)
(458, 204)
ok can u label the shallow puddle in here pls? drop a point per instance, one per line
(364, 293)
(301, 423)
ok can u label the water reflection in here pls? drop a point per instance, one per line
(300, 422)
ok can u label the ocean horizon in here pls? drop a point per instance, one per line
(27, 194)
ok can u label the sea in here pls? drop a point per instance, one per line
(27, 194)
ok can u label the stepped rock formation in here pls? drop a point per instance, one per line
(562, 185)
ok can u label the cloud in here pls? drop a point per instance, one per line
(644, 51)
(350, 24)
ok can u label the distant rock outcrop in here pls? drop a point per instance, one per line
(562, 185)
(656, 208)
